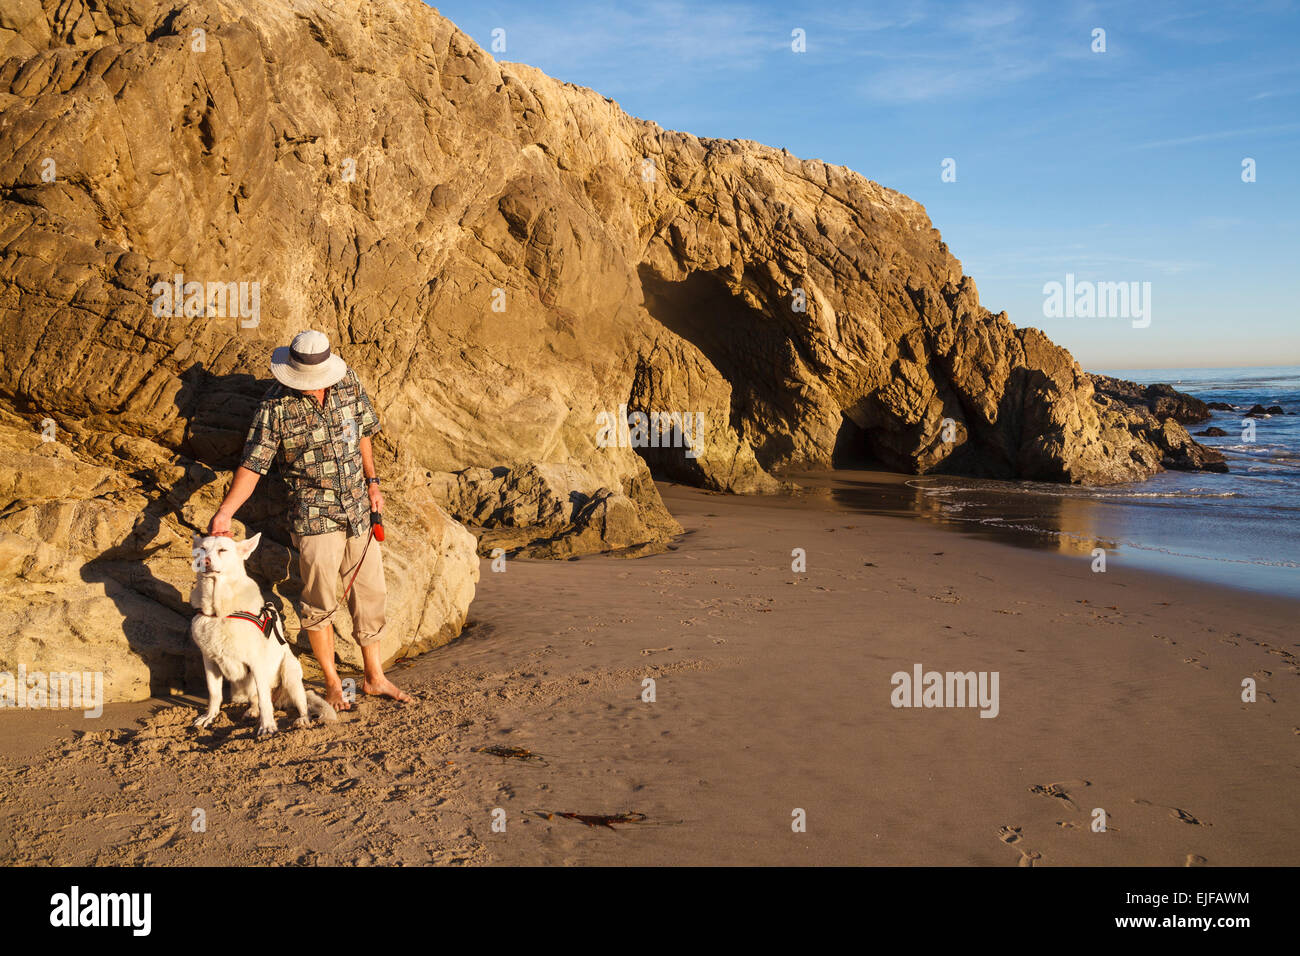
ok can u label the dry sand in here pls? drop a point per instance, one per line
(1119, 691)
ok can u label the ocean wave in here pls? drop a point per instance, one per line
(1214, 558)
(1068, 491)
(914, 483)
(1260, 475)
(1121, 544)
(1191, 493)
(1271, 452)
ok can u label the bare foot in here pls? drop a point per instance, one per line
(334, 696)
(383, 687)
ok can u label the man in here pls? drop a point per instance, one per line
(317, 421)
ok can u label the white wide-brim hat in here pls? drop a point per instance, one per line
(308, 364)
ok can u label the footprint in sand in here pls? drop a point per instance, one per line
(1175, 812)
(163, 839)
(1011, 835)
(1061, 791)
(1195, 859)
(1195, 662)
(1066, 825)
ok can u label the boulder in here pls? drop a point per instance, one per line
(554, 510)
(100, 563)
(1163, 400)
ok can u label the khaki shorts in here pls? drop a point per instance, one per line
(327, 562)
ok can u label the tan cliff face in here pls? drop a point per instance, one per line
(502, 256)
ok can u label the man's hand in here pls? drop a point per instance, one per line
(376, 498)
(241, 486)
(220, 524)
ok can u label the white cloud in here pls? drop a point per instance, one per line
(1218, 135)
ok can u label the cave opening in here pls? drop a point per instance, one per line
(744, 345)
(853, 448)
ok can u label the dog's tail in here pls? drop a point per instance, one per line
(317, 707)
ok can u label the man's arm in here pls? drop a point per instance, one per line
(368, 468)
(369, 427)
(241, 487)
(259, 451)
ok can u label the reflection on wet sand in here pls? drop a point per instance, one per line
(1195, 527)
(1067, 525)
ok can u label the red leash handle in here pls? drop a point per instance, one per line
(376, 534)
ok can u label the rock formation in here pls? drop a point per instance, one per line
(504, 257)
(98, 563)
(1157, 413)
(1163, 401)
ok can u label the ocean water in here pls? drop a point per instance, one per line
(1241, 529)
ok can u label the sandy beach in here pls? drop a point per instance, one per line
(772, 694)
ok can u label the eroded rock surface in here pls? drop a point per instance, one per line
(1164, 401)
(504, 257)
(98, 562)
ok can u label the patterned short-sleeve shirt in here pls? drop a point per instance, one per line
(319, 453)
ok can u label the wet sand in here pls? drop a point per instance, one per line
(1119, 691)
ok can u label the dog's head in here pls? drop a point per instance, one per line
(222, 554)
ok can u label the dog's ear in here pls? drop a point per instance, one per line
(247, 547)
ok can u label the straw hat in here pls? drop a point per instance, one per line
(308, 364)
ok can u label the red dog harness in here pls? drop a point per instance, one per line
(268, 621)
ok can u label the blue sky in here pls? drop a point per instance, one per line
(1122, 166)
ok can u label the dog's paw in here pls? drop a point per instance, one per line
(302, 723)
(265, 730)
(204, 721)
(253, 713)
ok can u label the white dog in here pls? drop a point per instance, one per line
(254, 658)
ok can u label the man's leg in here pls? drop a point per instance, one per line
(366, 603)
(322, 645)
(318, 564)
(375, 682)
